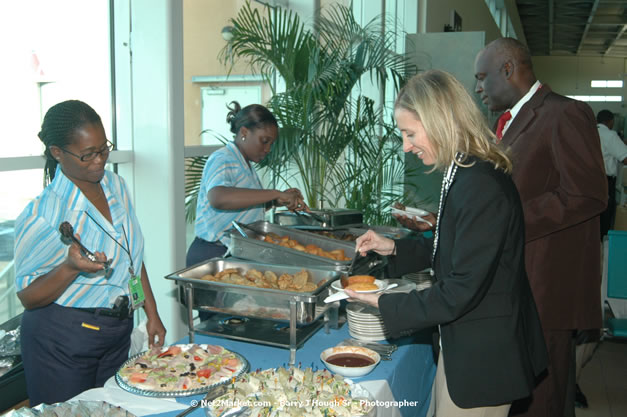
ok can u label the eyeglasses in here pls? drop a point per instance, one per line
(92, 155)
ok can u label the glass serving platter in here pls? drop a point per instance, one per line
(177, 393)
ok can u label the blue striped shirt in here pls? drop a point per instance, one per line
(225, 167)
(39, 249)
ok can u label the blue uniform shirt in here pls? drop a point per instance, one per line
(225, 167)
(39, 249)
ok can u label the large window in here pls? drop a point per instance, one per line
(51, 51)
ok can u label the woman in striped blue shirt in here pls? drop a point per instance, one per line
(230, 188)
(77, 323)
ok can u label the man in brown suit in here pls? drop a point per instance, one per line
(558, 169)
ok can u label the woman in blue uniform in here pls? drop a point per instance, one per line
(230, 188)
(78, 316)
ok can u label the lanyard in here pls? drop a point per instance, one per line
(128, 252)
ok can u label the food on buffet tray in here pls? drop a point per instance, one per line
(354, 279)
(292, 392)
(78, 408)
(181, 368)
(286, 242)
(363, 286)
(300, 281)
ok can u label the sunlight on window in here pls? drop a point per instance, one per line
(58, 50)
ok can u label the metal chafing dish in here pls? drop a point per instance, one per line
(332, 218)
(255, 249)
(294, 315)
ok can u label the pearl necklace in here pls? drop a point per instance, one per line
(447, 180)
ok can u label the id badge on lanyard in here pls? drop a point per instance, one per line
(136, 290)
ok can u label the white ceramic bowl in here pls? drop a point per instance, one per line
(350, 371)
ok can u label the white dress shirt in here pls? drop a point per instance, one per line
(613, 148)
(514, 110)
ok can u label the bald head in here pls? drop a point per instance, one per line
(504, 73)
(510, 49)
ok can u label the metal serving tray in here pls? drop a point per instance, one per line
(332, 218)
(266, 303)
(255, 249)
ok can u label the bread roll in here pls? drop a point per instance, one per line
(363, 286)
(346, 281)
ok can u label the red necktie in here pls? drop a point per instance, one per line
(501, 124)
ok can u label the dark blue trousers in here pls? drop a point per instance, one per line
(201, 250)
(67, 351)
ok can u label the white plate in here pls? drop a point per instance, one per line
(366, 338)
(372, 330)
(412, 213)
(382, 285)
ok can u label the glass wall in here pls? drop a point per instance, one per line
(52, 51)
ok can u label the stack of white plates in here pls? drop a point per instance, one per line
(422, 279)
(365, 323)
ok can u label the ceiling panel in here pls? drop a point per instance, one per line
(575, 27)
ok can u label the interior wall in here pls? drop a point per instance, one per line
(475, 16)
(572, 76)
(203, 21)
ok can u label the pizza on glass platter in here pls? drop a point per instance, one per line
(180, 370)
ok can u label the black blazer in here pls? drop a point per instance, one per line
(491, 335)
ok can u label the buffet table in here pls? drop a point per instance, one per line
(401, 386)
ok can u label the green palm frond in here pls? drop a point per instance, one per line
(329, 135)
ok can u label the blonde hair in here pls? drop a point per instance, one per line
(451, 119)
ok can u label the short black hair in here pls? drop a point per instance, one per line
(58, 127)
(605, 116)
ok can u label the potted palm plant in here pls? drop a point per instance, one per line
(335, 144)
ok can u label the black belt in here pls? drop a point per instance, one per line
(120, 310)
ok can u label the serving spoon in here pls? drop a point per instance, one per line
(67, 231)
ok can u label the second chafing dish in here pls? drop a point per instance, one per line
(255, 249)
(331, 218)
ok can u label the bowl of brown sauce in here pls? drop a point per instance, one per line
(350, 361)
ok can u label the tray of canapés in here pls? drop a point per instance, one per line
(293, 392)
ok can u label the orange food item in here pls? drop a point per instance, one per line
(363, 286)
(355, 279)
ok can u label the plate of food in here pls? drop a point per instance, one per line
(361, 283)
(180, 370)
(412, 212)
(294, 391)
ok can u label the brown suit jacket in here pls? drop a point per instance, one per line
(559, 172)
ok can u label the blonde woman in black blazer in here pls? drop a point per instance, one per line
(492, 348)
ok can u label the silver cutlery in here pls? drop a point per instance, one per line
(212, 394)
(67, 231)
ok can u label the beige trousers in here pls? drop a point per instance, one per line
(443, 406)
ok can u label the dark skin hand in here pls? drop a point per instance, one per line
(232, 198)
(154, 326)
(255, 145)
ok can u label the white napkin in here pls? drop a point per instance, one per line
(136, 404)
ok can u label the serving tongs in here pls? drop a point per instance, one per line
(319, 219)
(385, 351)
(240, 228)
(67, 231)
(212, 394)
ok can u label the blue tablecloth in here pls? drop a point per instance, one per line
(409, 374)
